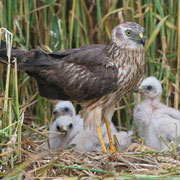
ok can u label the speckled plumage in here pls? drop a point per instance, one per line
(96, 76)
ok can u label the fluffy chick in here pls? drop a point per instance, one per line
(87, 139)
(62, 131)
(65, 126)
(64, 108)
(154, 118)
(124, 140)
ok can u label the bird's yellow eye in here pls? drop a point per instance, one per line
(128, 33)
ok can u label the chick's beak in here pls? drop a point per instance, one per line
(142, 40)
(138, 90)
(64, 129)
(55, 111)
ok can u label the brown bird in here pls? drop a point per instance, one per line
(95, 76)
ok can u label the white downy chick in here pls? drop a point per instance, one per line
(66, 125)
(142, 114)
(88, 139)
(61, 132)
(124, 140)
(166, 128)
(64, 108)
(153, 117)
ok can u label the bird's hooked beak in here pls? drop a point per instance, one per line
(142, 39)
(138, 90)
(56, 112)
(64, 129)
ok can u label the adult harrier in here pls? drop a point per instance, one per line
(95, 76)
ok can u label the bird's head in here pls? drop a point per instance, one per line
(128, 35)
(64, 108)
(150, 87)
(63, 124)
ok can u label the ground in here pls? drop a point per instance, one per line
(138, 162)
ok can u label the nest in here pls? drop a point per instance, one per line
(32, 160)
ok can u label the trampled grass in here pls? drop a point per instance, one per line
(62, 24)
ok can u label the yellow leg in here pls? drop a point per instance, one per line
(112, 149)
(98, 128)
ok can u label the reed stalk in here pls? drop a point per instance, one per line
(10, 131)
(19, 130)
(176, 97)
(72, 23)
(9, 38)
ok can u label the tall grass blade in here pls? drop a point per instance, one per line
(176, 97)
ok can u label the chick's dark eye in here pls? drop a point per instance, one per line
(71, 125)
(128, 33)
(66, 109)
(149, 87)
(58, 128)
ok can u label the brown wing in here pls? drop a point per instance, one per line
(75, 74)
